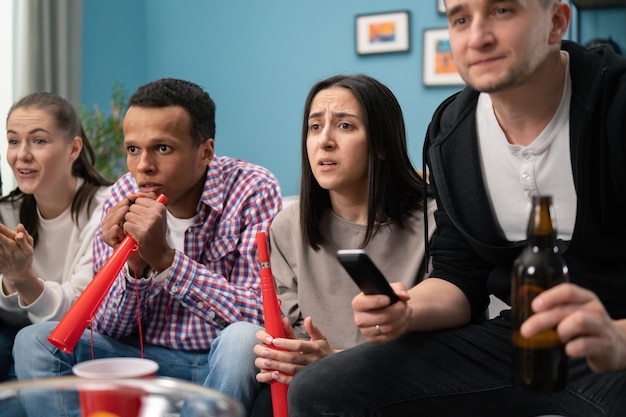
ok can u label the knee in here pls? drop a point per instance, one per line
(31, 348)
(239, 336)
(309, 389)
(30, 337)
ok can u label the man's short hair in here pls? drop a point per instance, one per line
(191, 97)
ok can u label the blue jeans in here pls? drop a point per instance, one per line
(458, 372)
(226, 368)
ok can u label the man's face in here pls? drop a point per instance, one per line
(499, 45)
(163, 158)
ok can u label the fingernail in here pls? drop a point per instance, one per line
(265, 353)
(276, 375)
(268, 339)
(268, 363)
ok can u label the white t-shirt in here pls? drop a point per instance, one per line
(176, 229)
(175, 237)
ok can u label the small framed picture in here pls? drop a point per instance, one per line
(382, 33)
(439, 66)
(441, 6)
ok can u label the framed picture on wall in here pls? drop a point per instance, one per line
(439, 67)
(441, 6)
(382, 33)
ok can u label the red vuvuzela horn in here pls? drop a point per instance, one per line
(66, 334)
(273, 320)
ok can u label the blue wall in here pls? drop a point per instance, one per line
(258, 60)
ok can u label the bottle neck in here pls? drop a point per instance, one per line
(541, 226)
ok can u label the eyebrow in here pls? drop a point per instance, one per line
(459, 7)
(339, 114)
(35, 130)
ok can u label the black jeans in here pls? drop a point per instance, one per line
(7, 336)
(458, 372)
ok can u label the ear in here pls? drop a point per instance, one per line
(561, 17)
(77, 146)
(207, 151)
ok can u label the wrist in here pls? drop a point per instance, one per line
(138, 269)
(166, 261)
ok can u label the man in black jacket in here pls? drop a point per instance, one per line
(539, 115)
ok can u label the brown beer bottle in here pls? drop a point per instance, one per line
(539, 363)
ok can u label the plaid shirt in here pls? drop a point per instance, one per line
(215, 281)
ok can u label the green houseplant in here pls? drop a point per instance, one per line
(105, 134)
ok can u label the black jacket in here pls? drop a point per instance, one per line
(470, 250)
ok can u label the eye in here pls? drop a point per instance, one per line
(164, 148)
(131, 149)
(458, 22)
(499, 11)
(314, 127)
(12, 141)
(345, 126)
(39, 141)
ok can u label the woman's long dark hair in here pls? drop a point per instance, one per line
(66, 118)
(395, 188)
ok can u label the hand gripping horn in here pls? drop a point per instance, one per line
(66, 334)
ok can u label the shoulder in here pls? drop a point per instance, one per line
(100, 197)
(245, 177)
(451, 111)
(242, 168)
(102, 193)
(287, 219)
(416, 216)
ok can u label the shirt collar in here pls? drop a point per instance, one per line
(214, 185)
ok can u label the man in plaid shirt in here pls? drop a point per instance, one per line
(195, 270)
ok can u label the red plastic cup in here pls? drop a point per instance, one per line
(108, 400)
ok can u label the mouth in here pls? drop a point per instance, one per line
(484, 61)
(326, 163)
(22, 171)
(149, 187)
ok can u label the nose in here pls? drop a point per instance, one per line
(146, 163)
(326, 138)
(480, 33)
(23, 152)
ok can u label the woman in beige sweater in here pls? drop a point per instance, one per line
(358, 190)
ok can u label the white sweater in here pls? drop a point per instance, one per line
(62, 260)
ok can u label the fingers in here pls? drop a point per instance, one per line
(113, 223)
(582, 323)
(275, 365)
(5, 231)
(289, 332)
(555, 304)
(269, 376)
(382, 332)
(362, 302)
(24, 240)
(312, 330)
(591, 333)
(548, 319)
(562, 294)
(400, 289)
(378, 321)
(286, 355)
